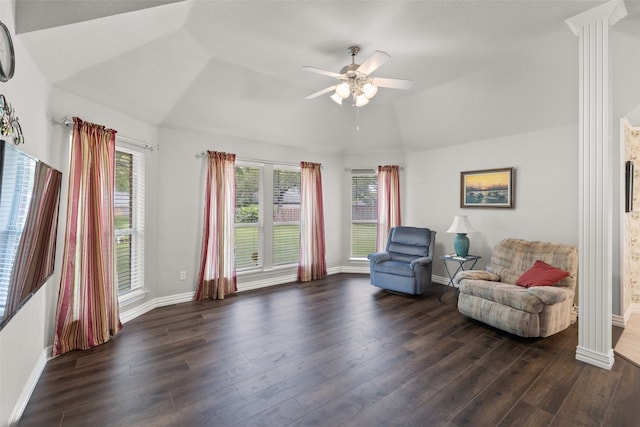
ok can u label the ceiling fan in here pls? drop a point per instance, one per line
(355, 80)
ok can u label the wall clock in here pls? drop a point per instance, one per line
(7, 57)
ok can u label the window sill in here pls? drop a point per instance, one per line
(131, 297)
(255, 271)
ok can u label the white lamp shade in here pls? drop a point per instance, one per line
(461, 225)
(370, 90)
(361, 101)
(336, 98)
(342, 90)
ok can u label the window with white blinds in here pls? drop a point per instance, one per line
(248, 226)
(286, 216)
(128, 207)
(364, 212)
(267, 229)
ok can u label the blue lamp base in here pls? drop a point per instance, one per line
(461, 244)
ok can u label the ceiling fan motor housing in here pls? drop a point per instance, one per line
(349, 69)
(352, 77)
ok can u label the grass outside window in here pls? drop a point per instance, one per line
(287, 250)
(363, 239)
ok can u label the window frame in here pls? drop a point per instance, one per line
(259, 225)
(356, 173)
(137, 230)
(266, 226)
(274, 224)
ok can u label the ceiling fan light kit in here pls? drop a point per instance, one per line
(336, 98)
(355, 80)
(369, 90)
(361, 101)
(343, 90)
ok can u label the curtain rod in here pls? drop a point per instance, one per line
(365, 170)
(68, 122)
(245, 159)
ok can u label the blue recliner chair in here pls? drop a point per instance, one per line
(405, 265)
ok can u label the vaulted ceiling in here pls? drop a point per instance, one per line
(481, 69)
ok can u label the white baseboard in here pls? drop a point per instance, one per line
(337, 270)
(440, 280)
(29, 387)
(621, 321)
(604, 361)
(131, 314)
(271, 281)
(357, 269)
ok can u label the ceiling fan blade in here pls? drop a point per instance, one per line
(321, 71)
(321, 92)
(373, 62)
(393, 83)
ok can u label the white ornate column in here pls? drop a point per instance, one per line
(596, 185)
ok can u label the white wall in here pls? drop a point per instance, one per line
(625, 69)
(22, 340)
(546, 190)
(25, 338)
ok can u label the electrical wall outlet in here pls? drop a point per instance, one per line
(183, 275)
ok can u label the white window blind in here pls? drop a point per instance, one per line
(129, 219)
(248, 224)
(286, 216)
(364, 212)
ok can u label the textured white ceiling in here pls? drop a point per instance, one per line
(234, 67)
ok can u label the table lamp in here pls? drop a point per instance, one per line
(461, 227)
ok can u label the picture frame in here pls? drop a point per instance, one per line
(488, 188)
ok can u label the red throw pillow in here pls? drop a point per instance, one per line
(541, 274)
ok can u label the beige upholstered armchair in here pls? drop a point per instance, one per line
(494, 297)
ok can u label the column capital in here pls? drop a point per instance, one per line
(613, 11)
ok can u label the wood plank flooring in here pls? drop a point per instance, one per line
(334, 352)
(628, 346)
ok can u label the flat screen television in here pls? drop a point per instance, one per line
(29, 199)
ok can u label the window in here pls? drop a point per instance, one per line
(259, 224)
(286, 216)
(248, 228)
(364, 212)
(129, 220)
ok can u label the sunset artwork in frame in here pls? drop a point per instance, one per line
(489, 188)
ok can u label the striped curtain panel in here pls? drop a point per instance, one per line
(388, 203)
(311, 263)
(217, 276)
(87, 313)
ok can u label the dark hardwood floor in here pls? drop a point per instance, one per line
(332, 352)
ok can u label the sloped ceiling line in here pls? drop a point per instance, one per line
(234, 67)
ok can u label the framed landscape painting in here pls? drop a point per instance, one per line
(490, 188)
